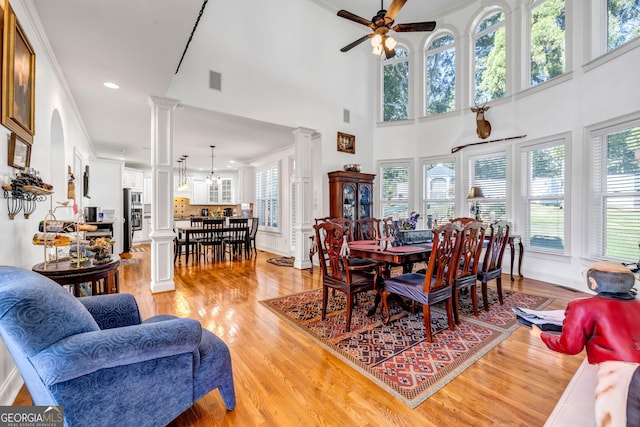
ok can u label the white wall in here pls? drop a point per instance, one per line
(285, 68)
(58, 128)
(582, 99)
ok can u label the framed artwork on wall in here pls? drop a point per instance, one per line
(19, 152)
(346, 143)
(18, 78)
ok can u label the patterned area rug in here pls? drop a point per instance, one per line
(397, 356)
(140, 249)
(282, 262)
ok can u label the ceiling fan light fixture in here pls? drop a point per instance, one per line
(377, 50)
(376, 40)
(390, 43)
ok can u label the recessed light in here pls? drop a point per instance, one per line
(111, 85)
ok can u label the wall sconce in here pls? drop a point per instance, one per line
(475, 194)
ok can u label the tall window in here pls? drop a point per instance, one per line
(615, 208)
(543, 190)
(395, 73)
(547, 40)
(490, 174)
(440, 68)
(623, 22)
(394, 189)
(490, 46)
(439, 183)
(268, 195)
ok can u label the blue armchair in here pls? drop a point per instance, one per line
(96, 358)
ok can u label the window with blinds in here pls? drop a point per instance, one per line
(394, 190)
(615, 204)
(543, 192)
(438, 187)
(490, 174)
(267, 196)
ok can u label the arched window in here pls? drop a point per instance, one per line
(547, 40)
(623, 22)
(440, 75)
(395, 85)
(490, 47)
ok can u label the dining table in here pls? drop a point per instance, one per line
(189, 230)
(388, 256)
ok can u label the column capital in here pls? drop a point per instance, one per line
(162, 101)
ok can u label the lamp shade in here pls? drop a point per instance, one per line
(475, 193)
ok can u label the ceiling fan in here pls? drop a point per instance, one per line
(381, 23)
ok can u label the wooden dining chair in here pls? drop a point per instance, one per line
(491, 268)
(235, 239)
(251, 240)
(368, 228)
(436, 285)
(180, 243)
(468, 260)
(337, 272)
(212, 239)
(346, 223)
(462, 221)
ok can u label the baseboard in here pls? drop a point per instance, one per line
(10, 388)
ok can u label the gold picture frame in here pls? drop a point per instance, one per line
(18, 78)
(346, 143)
(19, 155)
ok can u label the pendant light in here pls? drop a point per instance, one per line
(211, 178)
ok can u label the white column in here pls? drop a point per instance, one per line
(162, 233)
(302, 188)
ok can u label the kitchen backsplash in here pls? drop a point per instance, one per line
(182, 208)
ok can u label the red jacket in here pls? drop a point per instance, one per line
(609, 329)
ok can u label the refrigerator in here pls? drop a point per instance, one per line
(127, 216)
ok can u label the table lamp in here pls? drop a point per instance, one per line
(475, 194)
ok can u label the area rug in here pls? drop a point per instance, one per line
(127, 261)
(397, 356)
(140, 249)
(282, 262)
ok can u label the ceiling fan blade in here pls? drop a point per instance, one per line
(356, 43)
(355, 18)
(393, 10)
(389, 53)
(416, 26)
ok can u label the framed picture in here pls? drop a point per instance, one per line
(19, 152)
(18, 79)
(346, 143)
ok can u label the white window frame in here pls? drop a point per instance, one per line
(526, 149)
(597, 22)
(259, 170)
(471, 159)
(593, 197)
(423, 180)
(429, 52)
(475, 35)
(567, 47)
(408, 163)
(392, 61)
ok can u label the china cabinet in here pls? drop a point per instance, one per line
(351, 195)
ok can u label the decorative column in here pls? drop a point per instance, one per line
(162, 233)
(302, 197)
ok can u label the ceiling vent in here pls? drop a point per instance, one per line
(346, 116)
(215, 80)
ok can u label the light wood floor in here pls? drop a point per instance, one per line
(283, 379)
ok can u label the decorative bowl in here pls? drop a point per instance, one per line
(352, 167)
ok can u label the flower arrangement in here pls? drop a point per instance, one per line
(411, 222)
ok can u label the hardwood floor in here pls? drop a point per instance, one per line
(283, 379)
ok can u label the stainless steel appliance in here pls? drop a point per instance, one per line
(136, 198)
(127, 217)
(91, 213)
(136, 219)
(204, 212)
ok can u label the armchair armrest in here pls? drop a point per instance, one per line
(88, 352)
(112, 311)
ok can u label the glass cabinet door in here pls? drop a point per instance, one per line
(365, 202)
(349, 202)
